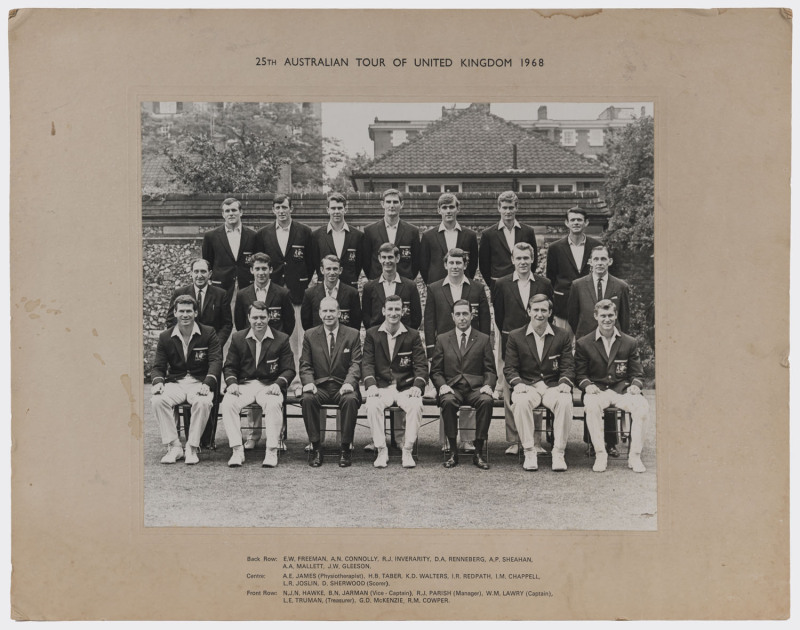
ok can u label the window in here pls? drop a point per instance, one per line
(547, 188)
(433, 188)
(529, 188)
(584, 185)
(452, 188)
(168, 108)
(565, 188)
(568, 137)
(596, 137)
(414, 188)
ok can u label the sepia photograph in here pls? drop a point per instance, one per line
(362, 314)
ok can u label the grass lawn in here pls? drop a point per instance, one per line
(295, 495)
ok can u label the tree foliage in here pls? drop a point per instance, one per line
(337, 161)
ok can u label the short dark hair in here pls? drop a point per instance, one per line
(257, 305)
(604, 304)
(576, 210)
(260, 257)
(391, 191)
(279, 199)
(185, 299)
(231, 200)
(455, 252)
(525, 247)
(540, 297)
(337, 196)
(393, 298)
(389, 248)
(447, 198)
(461, 302)
(330, 258)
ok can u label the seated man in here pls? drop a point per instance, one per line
(610, 373)
(539, 368)
(186, 369)
(463, 371)
(330, 369)
(258, 368)
(395, 373)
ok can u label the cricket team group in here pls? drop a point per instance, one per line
(553, 333)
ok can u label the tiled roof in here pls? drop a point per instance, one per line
(156, 174)
(474, 141)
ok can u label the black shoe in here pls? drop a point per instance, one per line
(477, 460)
(344, 459)
(590, 451)
(452, 462)
(207, 446)
(316, 459)
(612, 451)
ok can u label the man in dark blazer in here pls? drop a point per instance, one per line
(212, 302)
(186, 369)
(228, 249)
(498, 240)
(463, 372)
(390, 283)
(288, 244)
(392, 229)
(259, 368)
(510, 298)
(567, 260)
(339, 239)
(437, 241)
(345, 295)
(276, 297)
(541, 370)
(330, 370)
(395, 372)
(609, 372)
(214, 308)
(584, 295)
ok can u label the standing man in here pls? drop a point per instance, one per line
(392, 229)
(288, 244)
(436, 242)
(390, 283)
(610, 373)
(330, 370)
(214, 309)
(463, 372)
(498, 240)
(186, 369)
(567, 260)
(345, 295)
(540, 368)
(228, 249)
(510, 298)
(339, 239)
(589, 290)
(258, 368)
(276, 297)
(395, 373)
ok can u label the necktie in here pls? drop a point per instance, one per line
(599, 289)
(331, 344)
(200, 301)
(463, 342)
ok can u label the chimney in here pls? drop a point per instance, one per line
(542, 114)
(481, 107)
(514, 156)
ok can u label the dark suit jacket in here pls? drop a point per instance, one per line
(617, 371)
(279, 305)
(495, 256)
(408, 366)
(476, 366)
(439, 310)
(275, 364)
(294, 270)
(316, 364)
(407, 240)
(583, 297)
(561, 270)
(433, 249)
(216, 310)
(374, 298)
(554, 367)
(225, 269)
(509, 311)
(204, 361)
(352, 252)
(349, 306)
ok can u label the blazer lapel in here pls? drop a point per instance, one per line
(384, 340)
(502, 238)
(448, 295)
(223, 236)
(470, 342)
(397, 344)
(601, 349)
(322, 337)
(532, 346)
(383, 233)
(252, 345)
(614, 349)
(442, 242)
(548, 341)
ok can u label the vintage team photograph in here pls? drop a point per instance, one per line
(399, 315)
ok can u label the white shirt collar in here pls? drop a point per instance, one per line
(598, 334)
(238, 228)
(384, 328)
(286, 229)
(335, 288)
(252, 335)
(596, 278)
(447, 280)
(515, 276)
(442, 228)
(580, 243)
(176, 332)
(335, 331)
(265, 288)
(461, 332)
(502, 226)
(345, 227)
(395, 281)
(547, 331)
(391, 227)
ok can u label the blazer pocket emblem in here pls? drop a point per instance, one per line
(272, 366)
(274, 313)
(199, 354)
(248, 257)
(351, 255)
(405, 251)
(298, 252)
(474, 308)
(620, 368)
(404, 359)
(344, 316)
(406, 308)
